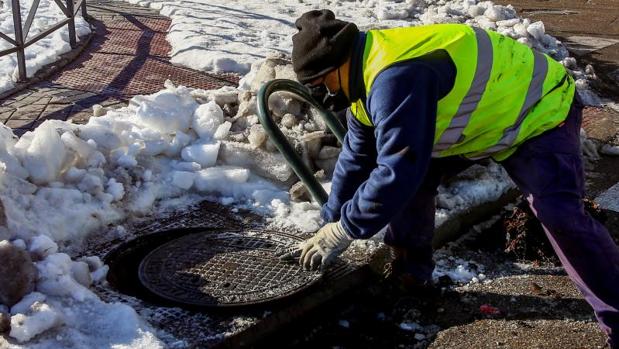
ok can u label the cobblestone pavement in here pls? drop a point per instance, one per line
(127, 56)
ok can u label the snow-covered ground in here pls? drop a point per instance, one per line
(222, 35)
(44, 51)
(63, 181)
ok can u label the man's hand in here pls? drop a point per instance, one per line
(321, 249)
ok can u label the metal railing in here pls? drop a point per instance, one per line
(20, 42)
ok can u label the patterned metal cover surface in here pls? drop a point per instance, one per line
(224, 268)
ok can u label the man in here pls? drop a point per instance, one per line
(424, 102)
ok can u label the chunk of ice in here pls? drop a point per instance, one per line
(23, 306)
(222, 131)
(537, 30)
(410, 326)
(117, 190)
(217, 179)
(41, 318)
(203, 154)
(44, 156)
(207, 119)
(42, 246)
(183, 179)
(155, 113)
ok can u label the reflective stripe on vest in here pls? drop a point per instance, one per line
(453, 133)
(534, 94)
(503, 93)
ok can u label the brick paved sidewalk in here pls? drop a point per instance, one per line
(127, 56)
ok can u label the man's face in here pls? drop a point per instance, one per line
(329, 81)
(318, 88)
(327, 89)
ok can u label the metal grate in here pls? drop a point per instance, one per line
(128, 56)
(205, 215)
(223, 269)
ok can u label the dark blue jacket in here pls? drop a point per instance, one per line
(380, 168)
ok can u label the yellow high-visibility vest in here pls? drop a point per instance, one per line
(504, 92)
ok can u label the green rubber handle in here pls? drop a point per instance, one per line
(280, 141)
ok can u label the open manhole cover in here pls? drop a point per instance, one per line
(222, 269)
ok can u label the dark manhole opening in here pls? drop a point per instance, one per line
(199, 268)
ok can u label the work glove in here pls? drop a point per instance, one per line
(321, 249)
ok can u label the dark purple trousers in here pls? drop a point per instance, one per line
(548, 170)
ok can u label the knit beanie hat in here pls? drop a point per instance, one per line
(321, 45)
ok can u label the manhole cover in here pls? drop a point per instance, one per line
(224, 269)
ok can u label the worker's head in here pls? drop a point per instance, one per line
(321, 54)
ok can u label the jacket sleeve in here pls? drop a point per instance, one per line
(402, 104)
(353, 167)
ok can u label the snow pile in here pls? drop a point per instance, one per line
(474, 186)
(203, 37)
(44, 51)
(62, 302)
(64, 181)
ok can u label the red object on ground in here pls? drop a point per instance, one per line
(487, 309)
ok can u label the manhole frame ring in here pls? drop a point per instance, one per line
(252, 303)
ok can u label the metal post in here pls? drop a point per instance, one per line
(84, 11)
(19, 39)
(71, 24)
